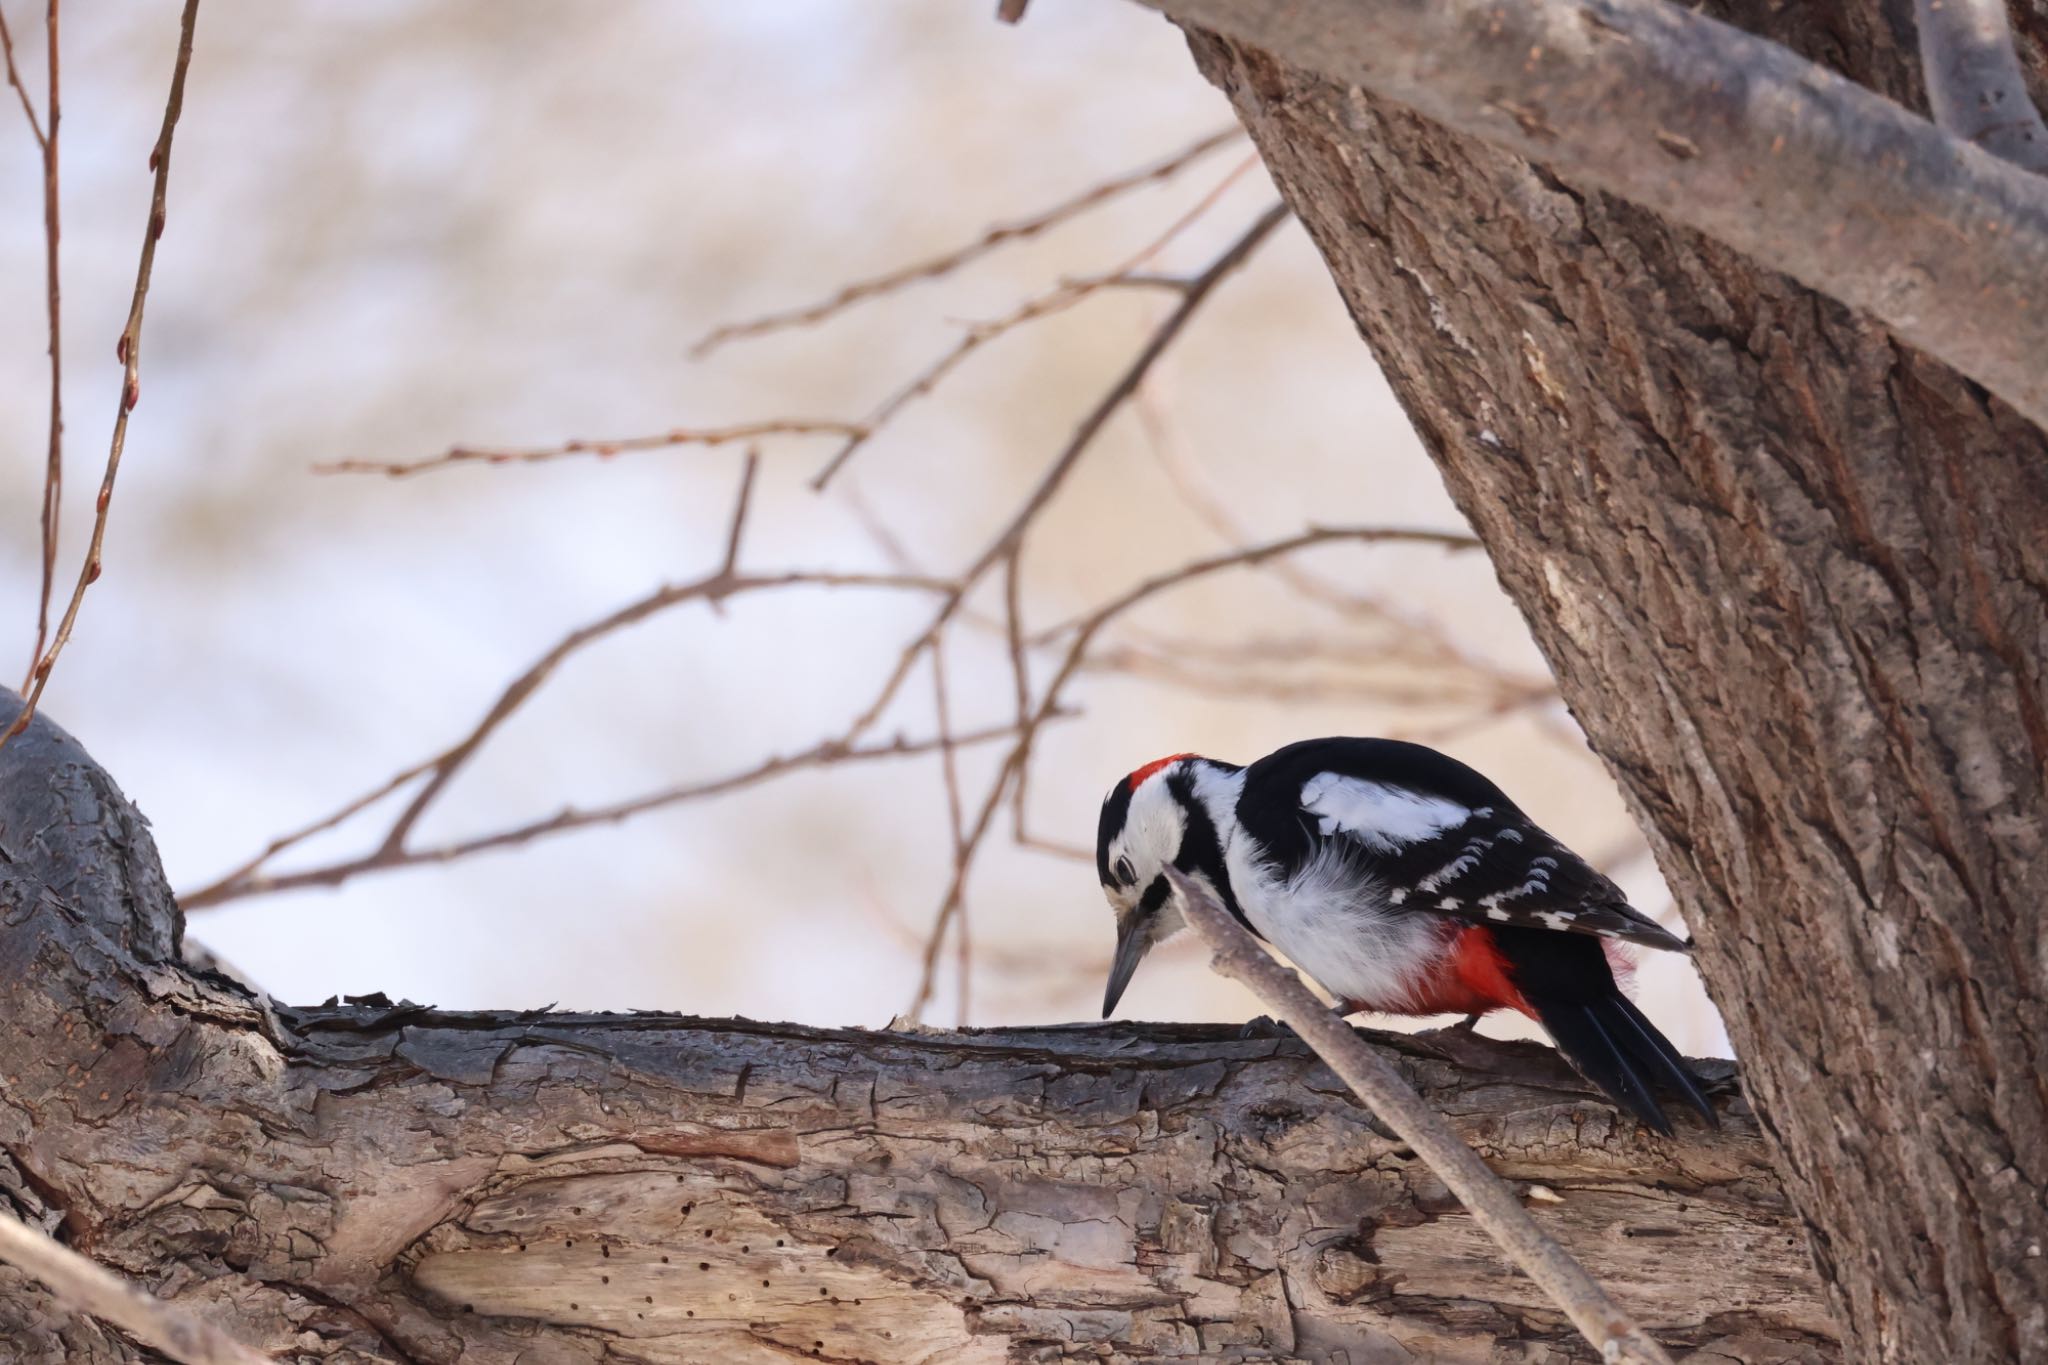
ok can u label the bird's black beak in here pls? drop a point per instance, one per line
(1131, 943)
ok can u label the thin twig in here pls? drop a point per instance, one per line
(1489, 1199)
(87, 1287)
(1002, 234)
(1012, 534)
(1975, 85)
(827, 753)
(442, 769)
(35, 125)
(53, 470)
(129, 350)
(665, 440)
(1064, 296)
(949, 769)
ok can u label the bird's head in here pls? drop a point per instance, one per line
(1140, 835)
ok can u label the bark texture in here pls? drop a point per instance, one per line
(369, 1181)
(1793, 578)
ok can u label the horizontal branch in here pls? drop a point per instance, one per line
(1718, 130)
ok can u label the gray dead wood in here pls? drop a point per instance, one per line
(1792, 576)
(1716, 129)
(379, 1181)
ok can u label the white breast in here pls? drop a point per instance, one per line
(1335, 923)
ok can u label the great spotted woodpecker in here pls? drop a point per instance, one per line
(1405, 883)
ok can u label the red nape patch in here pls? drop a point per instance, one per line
(1138, 776)
(1471, 979)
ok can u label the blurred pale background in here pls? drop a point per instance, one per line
(397, 226)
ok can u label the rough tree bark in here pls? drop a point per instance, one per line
(1793, 578)
(385, 1182)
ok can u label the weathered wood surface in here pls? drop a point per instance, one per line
(1793, 579)
(391, 1183)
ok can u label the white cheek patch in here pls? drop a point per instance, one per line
(1379, 816)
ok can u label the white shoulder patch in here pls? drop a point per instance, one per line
(1378, 815)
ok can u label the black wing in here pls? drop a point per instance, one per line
(1436, 835)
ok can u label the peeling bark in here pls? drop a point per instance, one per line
(1793, 579)
(370, 1181)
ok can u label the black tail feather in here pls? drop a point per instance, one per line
(1585, 1040)
(1654, 1051)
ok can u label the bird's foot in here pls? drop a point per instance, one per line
(1265, 1026)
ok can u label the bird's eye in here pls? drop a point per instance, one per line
(1125, 873)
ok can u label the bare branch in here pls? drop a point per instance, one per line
(731, 566)
(1718, 130)
(1064, 296)
(827, 753)
(90, 1288)
(129, 351)
(1492, 1203)
(1974, 82)
(35, 125)
(1084, 435)
(442, 769)
(996, 237)
(680, 436)
(53, 470)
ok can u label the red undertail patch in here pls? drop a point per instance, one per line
(1483, 971)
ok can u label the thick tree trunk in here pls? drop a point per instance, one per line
(385, 1182)
(1793, 578)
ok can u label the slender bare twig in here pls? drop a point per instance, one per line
(394, 851)
(1975, 85)
(88, 1287)
(665, 440)
(1002, 234)
(1012, 534)
(1063, 296)
(47, 144)
(35, 125)
(949, 769)
(1019, 757)
(827, 753)
(391, 851)
(1492, 1203)
(129, 351)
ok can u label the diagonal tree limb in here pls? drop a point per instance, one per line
(1974, 83)
(89, 1288)
(1719, 130)
(1489, 1199)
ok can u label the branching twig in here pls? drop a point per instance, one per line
(680, 436)
(1002, 234)
(1064, 296)
(1198, 290)
(129, 351)
(1974, 82)
(831, 752)
(47, 144)
(1491, 1202)
(90, 1288)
